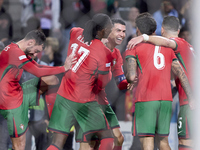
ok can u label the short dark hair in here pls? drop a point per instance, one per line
(146, 23)
(37, 35)
(118, 20)
(171, 23)
(97, 23)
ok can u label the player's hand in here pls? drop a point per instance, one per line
(132, 85)
(134, 41)
(70, 60)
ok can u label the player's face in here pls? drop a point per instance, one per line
(32, 51)
(117, 34)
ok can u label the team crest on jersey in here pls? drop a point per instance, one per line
(108, 64)
(21, 126)
(114, 62)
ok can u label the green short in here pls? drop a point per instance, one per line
(17, 119)
(66, 113)
(184, 124)
(110, 116)
(152, 118)
(31, 91)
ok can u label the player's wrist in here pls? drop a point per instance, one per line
(145, 37)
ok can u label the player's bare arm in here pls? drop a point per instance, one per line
(156, 40)
(131, 70)
(48, 82)
(179, 72)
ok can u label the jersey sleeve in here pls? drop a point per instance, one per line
(17, 57)
(118, 72)
(117, 65)
(44, 71)
(173, 56)
(130, 53)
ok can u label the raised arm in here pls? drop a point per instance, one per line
(156, 40)
(36, 69)
(179, 72)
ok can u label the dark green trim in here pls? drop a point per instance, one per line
(7, 69)
(103, 72)
(93, 73)
(138, 62)
(130, 56)
(176, 45)
(178, 55)
(21, 65)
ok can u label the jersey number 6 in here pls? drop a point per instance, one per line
(158, 59)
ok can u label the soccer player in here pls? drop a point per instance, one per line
(115, 38)
(14, 60)
(153, 65)
(185, 53)
(76, 101)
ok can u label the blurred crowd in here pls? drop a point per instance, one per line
(56, 18)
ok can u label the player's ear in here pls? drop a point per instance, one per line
(31, 42)
(162, 30)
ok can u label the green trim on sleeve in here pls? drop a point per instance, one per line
(176, 45)
(138, 62)
(178, 55)
(129, 56)
(6, 70)
(103, 72)
(22, 64)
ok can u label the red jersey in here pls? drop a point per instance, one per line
(184, 53)
(153, 71)
(13, 61)
(117, 72)
(93, 62)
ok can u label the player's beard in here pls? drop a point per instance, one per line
(27, 52)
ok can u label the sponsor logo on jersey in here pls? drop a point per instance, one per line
(108, 64)
(22, 57)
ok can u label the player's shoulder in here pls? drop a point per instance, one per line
(76, 30)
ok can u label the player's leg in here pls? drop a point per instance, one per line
(163, 143)
(114, 125)
(58, 141)
(60, 124)
(106, 139)
(147, 142)
(19, 142)
(184, 127)
(17, 122)
(163, 124)
(144, 123)
(91, 126)
(185, 144)
(118, 139)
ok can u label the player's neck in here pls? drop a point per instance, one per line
(20, 45)
(110, 46)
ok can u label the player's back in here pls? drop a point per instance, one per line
(185, 55)
(10, 90)
(154, 68)
(93, 58)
